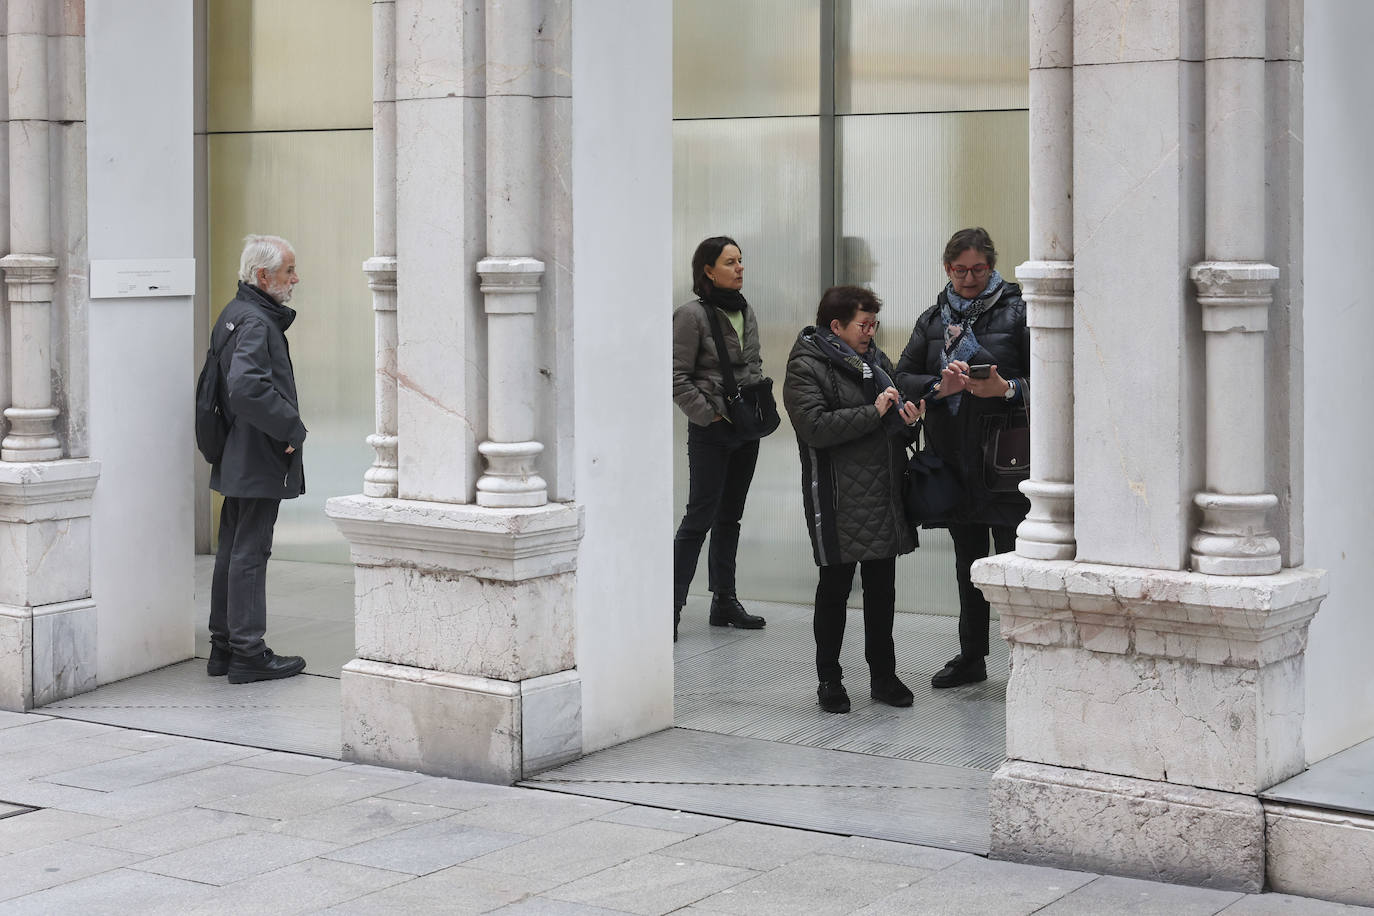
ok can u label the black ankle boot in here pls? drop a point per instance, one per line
(726, 611)
(218, 663)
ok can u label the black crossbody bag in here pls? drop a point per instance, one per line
(751, 410)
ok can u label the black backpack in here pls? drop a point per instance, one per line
(212, 426)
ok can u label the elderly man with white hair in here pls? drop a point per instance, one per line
(261, 463)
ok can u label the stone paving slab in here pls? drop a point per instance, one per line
(177, 827)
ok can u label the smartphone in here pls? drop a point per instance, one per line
(982, 370)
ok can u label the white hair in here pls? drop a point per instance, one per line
(261, 252)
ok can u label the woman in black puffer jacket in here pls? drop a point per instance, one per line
(979, 319)
(852, 426)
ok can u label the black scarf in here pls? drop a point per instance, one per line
(727, 300)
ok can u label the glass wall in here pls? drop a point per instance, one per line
(843, 141)
(289, 123)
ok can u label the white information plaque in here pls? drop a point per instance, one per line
(142, 278)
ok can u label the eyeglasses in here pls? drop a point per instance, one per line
(869, 327)
(979, 271)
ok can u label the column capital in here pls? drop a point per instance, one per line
(510, 275)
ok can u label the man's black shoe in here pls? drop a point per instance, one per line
(726, 611)
(265, 666)
(218, 665)
(833, 697)
(891, 691)
(959, 671)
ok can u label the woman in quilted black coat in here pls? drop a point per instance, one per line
(852, 426)
(978, 319)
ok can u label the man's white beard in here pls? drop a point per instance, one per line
(282, 293)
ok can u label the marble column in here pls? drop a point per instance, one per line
(510, 276)
(1150, 702)
(30, 270)
(1047, 282)
(47, 615)
(380, 480)
(1235, 287)
(466, 653)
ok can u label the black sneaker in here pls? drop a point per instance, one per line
(959, 671)
(218, 665)
(726, 611)
(265, 666)
(891, 691)
(833, 697)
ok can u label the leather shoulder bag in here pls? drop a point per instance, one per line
(751, 409)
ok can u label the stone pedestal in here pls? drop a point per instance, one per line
(1146, 711)
(47, 617)
(465, 637)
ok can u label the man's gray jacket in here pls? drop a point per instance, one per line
(260, 402)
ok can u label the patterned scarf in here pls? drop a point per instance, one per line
(958, 314)
(866, 363)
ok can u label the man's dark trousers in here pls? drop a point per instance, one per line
(238, 592)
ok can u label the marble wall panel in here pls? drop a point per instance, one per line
(64, 651)
(551, 721)
(1223, 728)
(1137, 227)
(414, 720)
(16, 658)
(441, 235)
(440, 49)
(45, 562)
(457, 623)
(1323, 854)
(1122, 31)
(1156, 831)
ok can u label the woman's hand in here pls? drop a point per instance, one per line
(953, 378)
(994, 386)
(910, 412)
(886, 399)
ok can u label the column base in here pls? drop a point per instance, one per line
(1160, 675)
(1056, 816)
(459, 726)
(510, 481)
(47, 617)
(466, 637)
(1047, 531)
(1233, 538)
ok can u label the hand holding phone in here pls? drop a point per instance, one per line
(981, 370)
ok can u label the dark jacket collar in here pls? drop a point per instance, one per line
(280, 314)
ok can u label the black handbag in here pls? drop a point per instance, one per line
(931, 489)
(1006, 450)
(751, 409)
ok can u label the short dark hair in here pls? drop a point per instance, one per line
(976, 237)
(706, 255)
(841, 303)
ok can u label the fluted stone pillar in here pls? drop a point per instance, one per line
(466, 652)
(1047, 283)
(47, 615)
(1150, 702)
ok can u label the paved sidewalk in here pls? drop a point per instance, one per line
(133, 822)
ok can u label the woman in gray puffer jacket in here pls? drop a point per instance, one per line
(852, 426)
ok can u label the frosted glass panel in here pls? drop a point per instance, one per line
(758, 181)
(289, 64)
(906, 183)
(315, 189)
(936, 55)
(733, 59)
